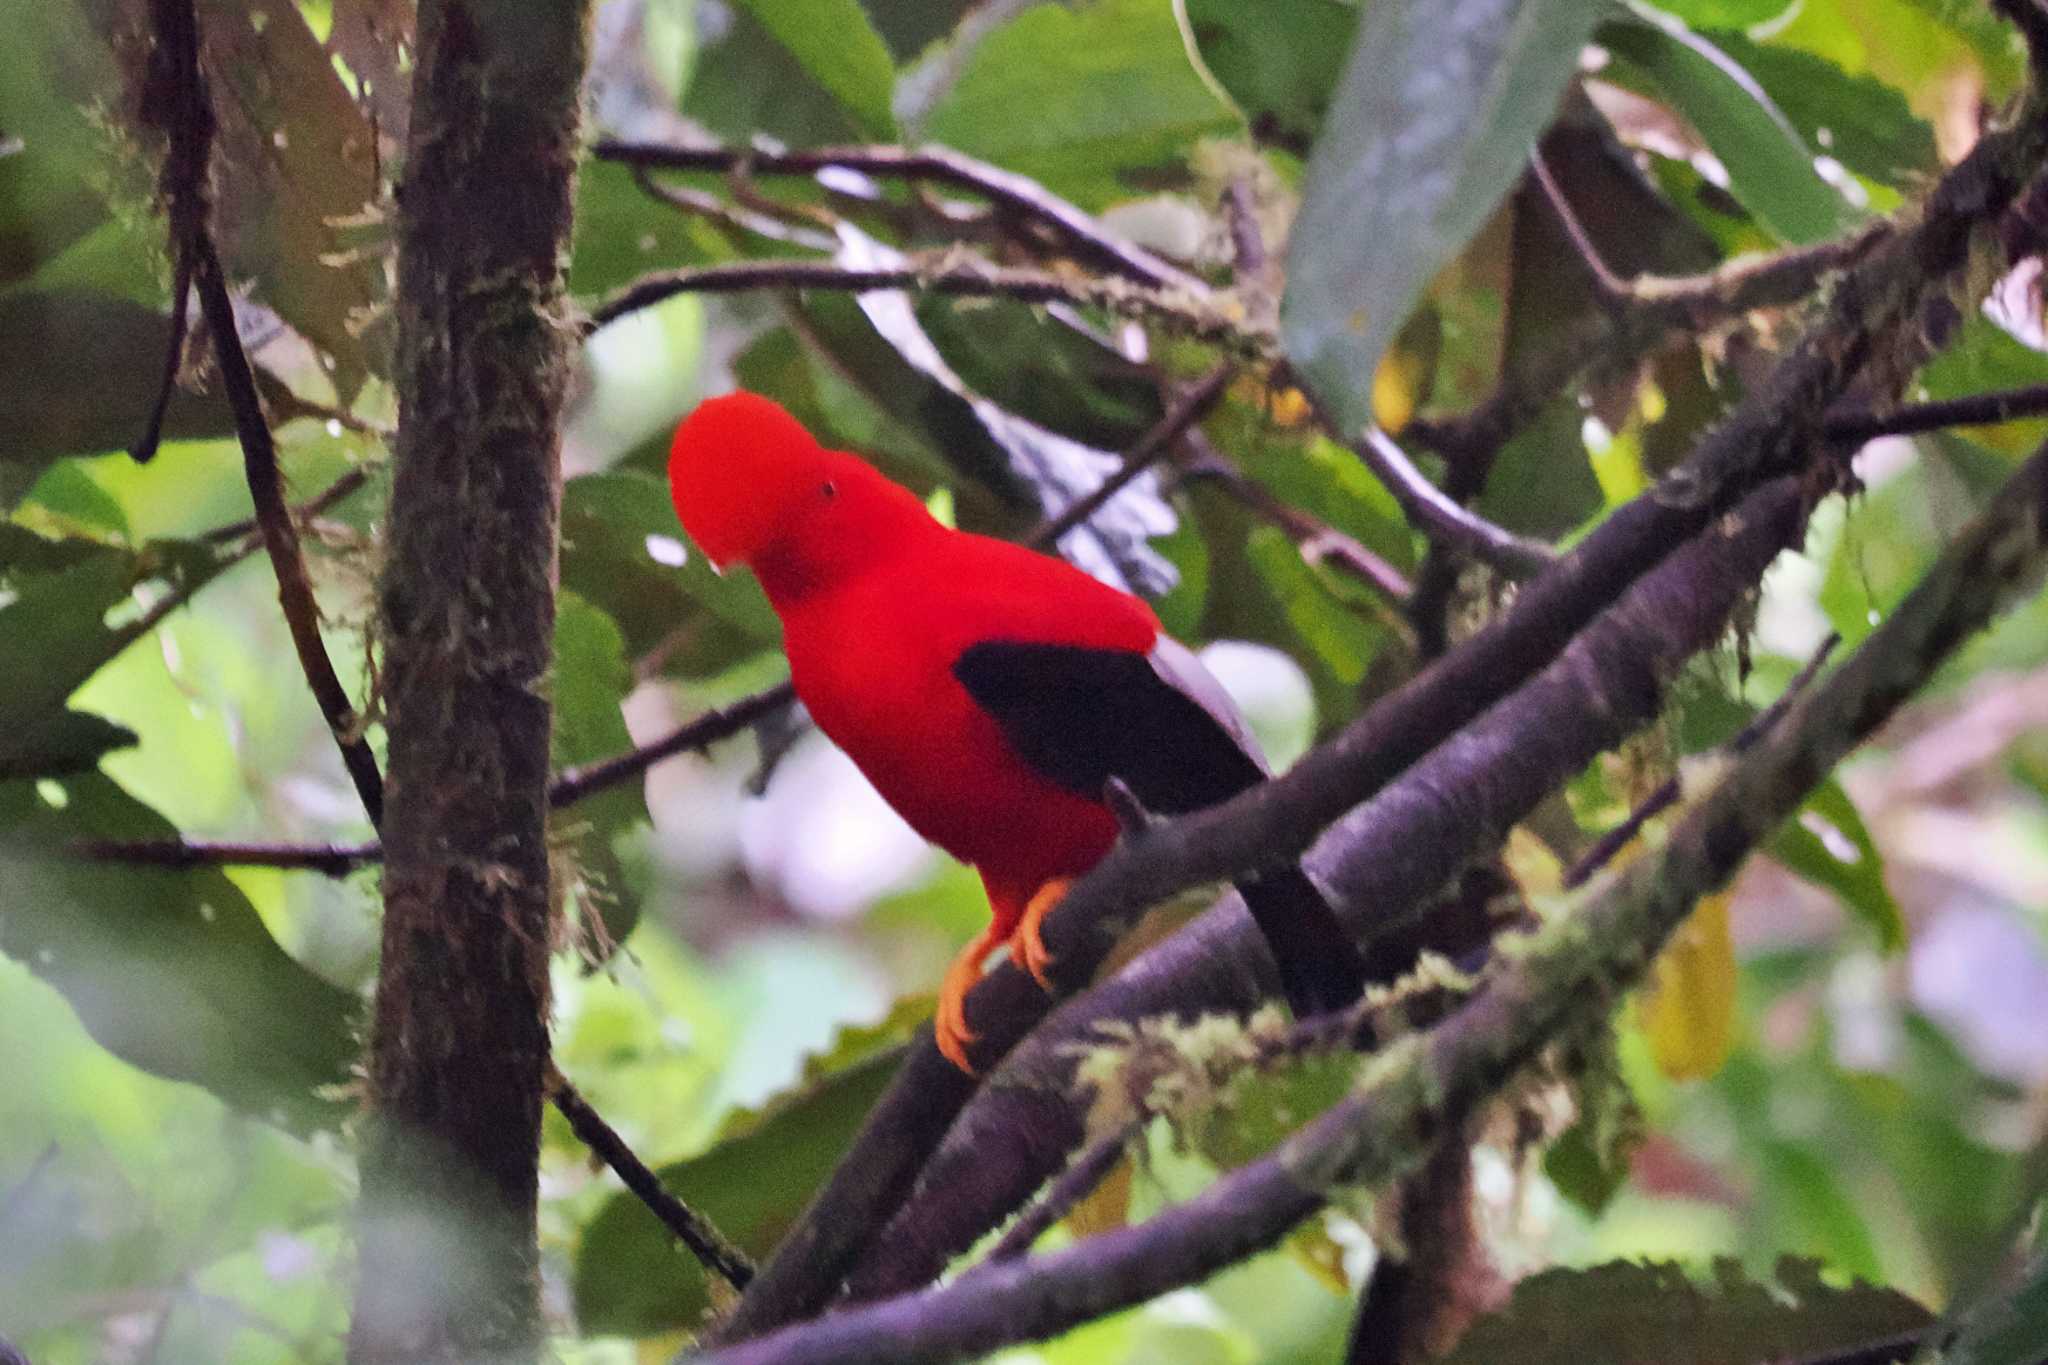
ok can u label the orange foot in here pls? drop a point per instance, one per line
(949, 1026)
(1027, 949)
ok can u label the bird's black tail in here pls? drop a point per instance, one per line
(1321, 968)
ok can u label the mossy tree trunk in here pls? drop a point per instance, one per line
(449, 1264)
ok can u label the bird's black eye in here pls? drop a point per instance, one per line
(830, 490)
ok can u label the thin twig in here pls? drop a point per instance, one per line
(1076, 1183)
(1088, 239)
(692, 1229)
(335, 492)
(733, 218)
(1247, 242)
(569, 786)
(281, 536)
(573, 784)
(1318, 541)
(1443, 519)
(1614, 293)
(1188, 313)
(334, 860)
(1189, 408)
(1662, 305)
(1667, 793)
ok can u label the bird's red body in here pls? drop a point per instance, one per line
(987, 691)
(873, 660)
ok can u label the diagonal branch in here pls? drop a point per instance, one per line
(1186, 410)
(689, 1227)
(1419, 1089)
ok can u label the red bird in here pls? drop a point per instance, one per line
(987, 691)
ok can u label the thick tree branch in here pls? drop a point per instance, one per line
(1421, 1087)
(1087, 239)
(459, 1045)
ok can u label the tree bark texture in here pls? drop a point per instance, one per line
(449, 1264)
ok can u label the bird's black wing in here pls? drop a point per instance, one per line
(1161, 725)
(1080, 716)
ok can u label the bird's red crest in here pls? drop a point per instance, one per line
(731, 468)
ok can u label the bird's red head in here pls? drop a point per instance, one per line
(753, 487)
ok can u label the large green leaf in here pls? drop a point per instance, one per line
(1770, 167)
(1439, 105)
(745, 83)
(590, 680)
(1081, 99)
(632, 1280)
(1859, 120)
(172, 971)
(833, 41)
(69, 608)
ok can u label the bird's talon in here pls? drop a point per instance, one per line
(949, 1022)
(1027, 948)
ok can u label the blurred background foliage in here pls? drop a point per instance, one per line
(178, 1047)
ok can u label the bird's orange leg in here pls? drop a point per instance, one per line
(949, 1025)
(1027, 949)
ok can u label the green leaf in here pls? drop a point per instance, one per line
(835, 43)
(1859, 120)
(1439, 105)
(1847, 862)
(50, 185)
(1630, 1311)
(1344, 642)
(82, 371)
(745, 84)
(1770, 167)
(632, 1280)
(67, 611)
(172, 971)
(1081, 99)
(1279, 60)
(590, 680)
